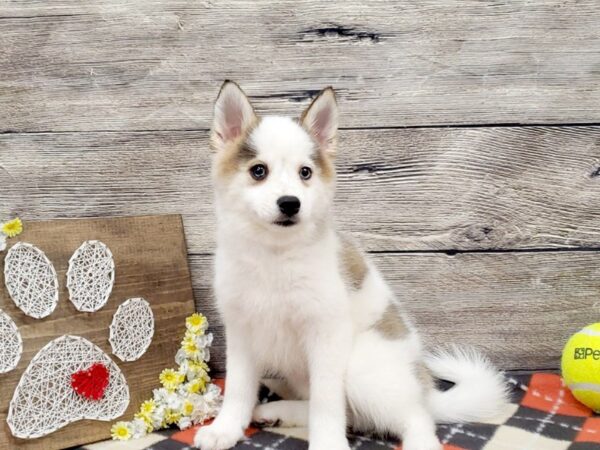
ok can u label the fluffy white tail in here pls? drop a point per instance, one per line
(480, 391)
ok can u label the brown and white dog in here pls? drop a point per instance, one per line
(305, 305)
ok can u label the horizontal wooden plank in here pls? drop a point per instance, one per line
(156, 65)
(399, 189)
(519, 308)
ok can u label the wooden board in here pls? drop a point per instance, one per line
(150, 260)
(398, 190)
(156, 65)
(87, 87)
(518, 308)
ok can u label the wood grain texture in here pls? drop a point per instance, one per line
(150, 260)
(518, 308)
(156, 65)
(399, 189)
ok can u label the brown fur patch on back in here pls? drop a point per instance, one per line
(234, 154)
(391, 325)
(353, 262)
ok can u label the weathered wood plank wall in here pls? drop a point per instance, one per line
(470, 139)
(139, 64)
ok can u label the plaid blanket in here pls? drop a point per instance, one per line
(543, 416)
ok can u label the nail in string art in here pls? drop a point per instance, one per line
(91, 276)
(45, 399)
(132, 329)
(11, 344)
(31, 280)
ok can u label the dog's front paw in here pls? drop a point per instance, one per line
(218, 436)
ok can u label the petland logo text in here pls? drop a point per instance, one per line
(586, 352)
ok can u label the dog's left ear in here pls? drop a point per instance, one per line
(320, 119)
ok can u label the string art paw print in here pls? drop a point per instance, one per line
(70, 378)
(11, 344)
(31, 280)
(91, 276)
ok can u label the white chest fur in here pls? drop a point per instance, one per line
(275, 297)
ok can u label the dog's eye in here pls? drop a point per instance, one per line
(305, 173)
(259, 172)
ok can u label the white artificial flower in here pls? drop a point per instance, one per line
(198, 402)
(196, 398)
(160, 395)
(184, 367)
(207, 405)
(189, 372)
(2, 242)
(138, 428)
(158, 416)
(180, 357)
(181, 390)
(173, 401)
(184, 423)
(213, 392)
(202, 411)
(204, 340)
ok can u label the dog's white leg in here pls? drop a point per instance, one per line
(395, 402)
(240, 397)
(282, 413)
(419, 430)
(328, 351)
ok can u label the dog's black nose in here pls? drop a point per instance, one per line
(289, 205)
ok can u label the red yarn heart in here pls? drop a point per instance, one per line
(91, 383)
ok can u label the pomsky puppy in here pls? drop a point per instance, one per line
(302, 304)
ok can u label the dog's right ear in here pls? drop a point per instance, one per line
(233, 114)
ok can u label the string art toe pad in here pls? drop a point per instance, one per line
(132, 329)
(11, 344)
(31, 280)
(91, 276)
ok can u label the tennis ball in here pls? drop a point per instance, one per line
(581, 366)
